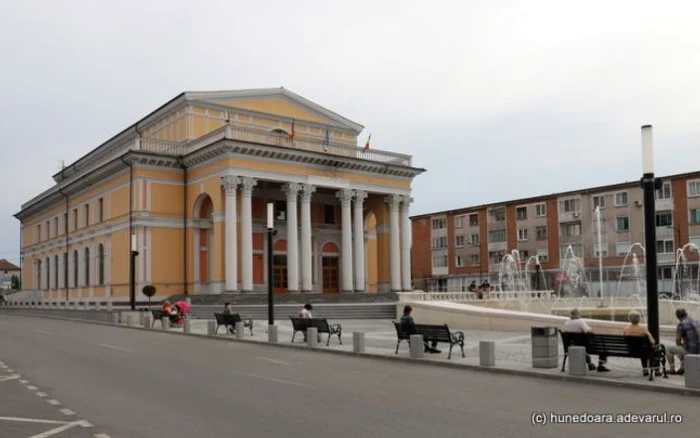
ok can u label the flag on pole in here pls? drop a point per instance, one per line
(368, 139)
(327, 142)
(293, 133)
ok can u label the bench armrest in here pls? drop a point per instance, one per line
(457, 337)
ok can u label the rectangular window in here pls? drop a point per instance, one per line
(664, 192)
(329, 214)
(440, 261)
(459, 263)
(474, 239)
(599, 250)
(498, 215)
(459, 221)
(521, 213)
(622, 248)
(87, 215)
(439, 224)
(496, 256)
(522, 235)
(474, 259)
(55, 227)
(524, 255)
(543, 255)
(48, 230)
(623, 223)
(599, 201)
(75, 219)
(695, 216)
(664, 247)
(459, 241)
(474, 220)
(576, 249)
(65, 221)
(440, 242)
(621, 199)
(38, 233)
(664, 219)
(280, 210)
(571, 229)
(694, 188)
(541, 210)
(541, 233)
(570, 205)
(100, 210)
(497, 236)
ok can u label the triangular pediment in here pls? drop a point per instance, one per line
(277, 101)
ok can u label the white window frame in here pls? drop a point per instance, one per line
(695, 191)
(694, 220)
(457, 241)
(626, 200)
(665, 243)
(603, 247)
(474, 239)
(477, 219)
(619, 245)
(521, 207)
(541, 210)
(546, 232)
(660, 194)
(617, 228)
(522, 234)
(459, 261)
(543, 255)
(598, 198)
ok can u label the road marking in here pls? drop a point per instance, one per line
(59, 429)
(31, 420)
(53, 402)
(102, 435)
(24, 382)
(114, 347)
(44, 333)
(32, 387)
(268, 359)
(6, 378)
(42, 394)
(10, 370)
(66, 411)
(274, 379)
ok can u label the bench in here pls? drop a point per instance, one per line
(430, 333)
(159, 314)
(321, 324)
(637, 347)
(230, 319)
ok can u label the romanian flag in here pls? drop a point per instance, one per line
(368, 139)
(293, 133)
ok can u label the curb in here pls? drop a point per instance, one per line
(494, 370)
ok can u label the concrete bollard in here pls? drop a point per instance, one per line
(416, 346)
(577, 361)
(165, 323)
(240, 330)
(187, 327)
(691, 363)
(115, 318)
(132, 320)
(211, 328)
(487, 353)
(109, 305)
(272, 333)
(311, 337)
(145, 320)
(358, 342)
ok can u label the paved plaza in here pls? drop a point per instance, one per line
(513, 349)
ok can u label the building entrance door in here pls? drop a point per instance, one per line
(279, 271)
(330, 274)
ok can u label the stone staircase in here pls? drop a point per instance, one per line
(283, 311)
(295, 299)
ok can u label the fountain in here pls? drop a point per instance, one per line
(683, 284)
(636, 269)
(516, 276)
(572, 279)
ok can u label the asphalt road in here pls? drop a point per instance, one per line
(130, 383)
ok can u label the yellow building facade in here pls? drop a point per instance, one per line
(187, 187)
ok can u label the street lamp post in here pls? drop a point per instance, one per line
(132, 273)
(650, 184)
(271, 232)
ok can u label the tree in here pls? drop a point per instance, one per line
(149, 290)
(15, 284)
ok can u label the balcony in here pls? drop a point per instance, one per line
(569, 216)
(248, 135)
(664, 204)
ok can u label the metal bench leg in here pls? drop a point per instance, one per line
(250, 324)
(293, 334)
(449, 354)
(397, 346)
(563, 364)
(462, 347)
(217, 329)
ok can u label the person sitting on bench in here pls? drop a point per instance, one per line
(687, 341)
(305, 313)
(635, 329)
(406, 325)
(577, 325)
(228, 310)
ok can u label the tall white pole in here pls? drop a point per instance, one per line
(600, 253)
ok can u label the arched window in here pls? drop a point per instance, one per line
(48, 273)
(38, 274)
(75, 268)
(55, 271)
(101, 264)
(87, 266)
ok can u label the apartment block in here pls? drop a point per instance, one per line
(455, 247)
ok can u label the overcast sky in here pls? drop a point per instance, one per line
(496, 99)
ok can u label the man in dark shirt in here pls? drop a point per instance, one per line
(407, 326)
(687, 341)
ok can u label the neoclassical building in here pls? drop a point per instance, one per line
(187, 187)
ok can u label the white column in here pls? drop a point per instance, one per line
(292, 191)
(247, 185)
(306, 254)
(394, 247)
(345, 197)
(230, 184)
(405, 245)
(359, 235)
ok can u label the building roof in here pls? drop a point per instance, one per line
(542, 198)
(5, 265)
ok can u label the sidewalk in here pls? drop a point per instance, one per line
(513, 350)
